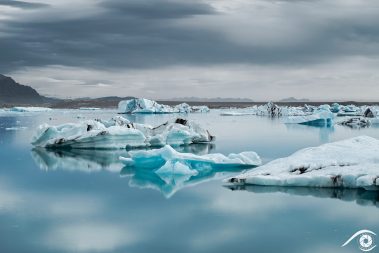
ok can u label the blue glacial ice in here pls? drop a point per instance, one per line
(351, 163)
(168, 171)
(166, 160)
(322, 116)
(146, 106)
(119, 133)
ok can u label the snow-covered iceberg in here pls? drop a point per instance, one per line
(321, 117)
(146, 106)
(351, 163)
(350, 110)
(119, 133)
(30, 109)
(270, 109)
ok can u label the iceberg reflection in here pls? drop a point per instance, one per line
(95, 160)
(360, 196)
(78, 159)
(145, 178)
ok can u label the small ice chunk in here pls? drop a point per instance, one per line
(30, 109)
(356, 122)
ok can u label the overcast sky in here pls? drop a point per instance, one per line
(259, 49)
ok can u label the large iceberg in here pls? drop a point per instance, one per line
(351, 163)
(146, 106)
(119, 133)
(321, 117)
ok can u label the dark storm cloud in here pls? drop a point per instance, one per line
(148, 34)
(21, 4)
(158, 9)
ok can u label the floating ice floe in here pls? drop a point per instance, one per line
(146, 106)
(320, 117)
(168, 160)
(351, 163)
(358, 122)
(15, 128)
(89, 108)
(168, 171)
(30, 109)
(350, 110)
(119, 133)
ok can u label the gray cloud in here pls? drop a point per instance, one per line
(21, 4)
(129, 35)
(161, 9)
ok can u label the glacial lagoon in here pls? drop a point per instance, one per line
(87, 201)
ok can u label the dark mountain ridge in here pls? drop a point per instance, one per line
(12, 92)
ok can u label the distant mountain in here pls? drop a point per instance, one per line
(12, 92)
(292, 99)
(218, 99)
(102, 102)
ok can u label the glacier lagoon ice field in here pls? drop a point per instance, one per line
(87, 201)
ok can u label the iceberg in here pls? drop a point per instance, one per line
(350, 110)
(370, 112)
(167, 158)
(142, 105)
(270, 109)
(322, 117)
(119, 133)
(351, 163)
(358, 122)
(186, 108)
(168, 170)
(146, 106)
(89, 108)
(30, 109)
(335, 108)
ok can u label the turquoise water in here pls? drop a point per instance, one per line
(85, 201)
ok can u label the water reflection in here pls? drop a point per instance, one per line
(96, 160)
(324, 131)
(78, 159)
(91, 160)
(144, 178)
(360, 196)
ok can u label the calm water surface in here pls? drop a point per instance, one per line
(85, 201)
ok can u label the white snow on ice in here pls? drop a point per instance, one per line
(119, 133)
(351, 163)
